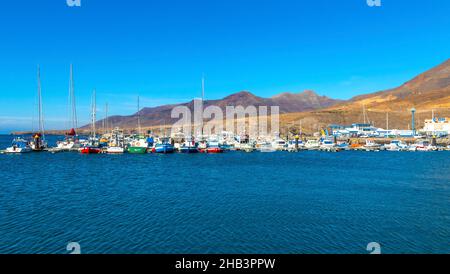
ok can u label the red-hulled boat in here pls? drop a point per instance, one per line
(90, 150)
(213, 150)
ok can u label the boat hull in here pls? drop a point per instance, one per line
(163, 150)
(115, 150)
(90, 150)
(137, 150)
(12, 150)
(214, 150)
(189, 150)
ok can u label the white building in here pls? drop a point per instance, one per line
(437, 126)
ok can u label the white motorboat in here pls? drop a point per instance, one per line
(327, 145)
(19, 145)
(312, 145)
(265, 147)
(371, 145)
(295, 144)
(422, 146)
(396, 145)
(279, 144)
(115, 150)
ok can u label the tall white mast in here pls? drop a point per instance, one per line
(40, 116)
(203, 88)
(203, 100)
(105, 120)
(139, 116)
(72, 103)
(364, 113)
(387, 120)
(94, 113)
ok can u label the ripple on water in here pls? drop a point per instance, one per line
(307, 202)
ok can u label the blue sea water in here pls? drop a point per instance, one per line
(307, 202)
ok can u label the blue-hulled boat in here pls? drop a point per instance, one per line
(164, 147)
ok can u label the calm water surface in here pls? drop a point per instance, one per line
(308, 202)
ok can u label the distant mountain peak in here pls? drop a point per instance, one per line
(287, 102)
(306, 93)
(309, 93)
(241, 94)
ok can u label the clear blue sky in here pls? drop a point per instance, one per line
(160, 48)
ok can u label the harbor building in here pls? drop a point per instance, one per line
(437, 127)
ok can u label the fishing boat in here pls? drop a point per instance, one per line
(91, 149)
(139, 144)
(213, 147)
(164, 147)
(189, 146)
(93, 146)
(116, 144)
(19, 145)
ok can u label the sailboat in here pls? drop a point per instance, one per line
(139, 144)
(38, 142)
(70, 141)
(92, 147)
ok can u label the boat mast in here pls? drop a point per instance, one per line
(387, 120)
(364, 113)
(40, 116)
(366, 116)
(138, 116)
(203, 99)
(94, 113)
(105, 121)
(72, 103)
